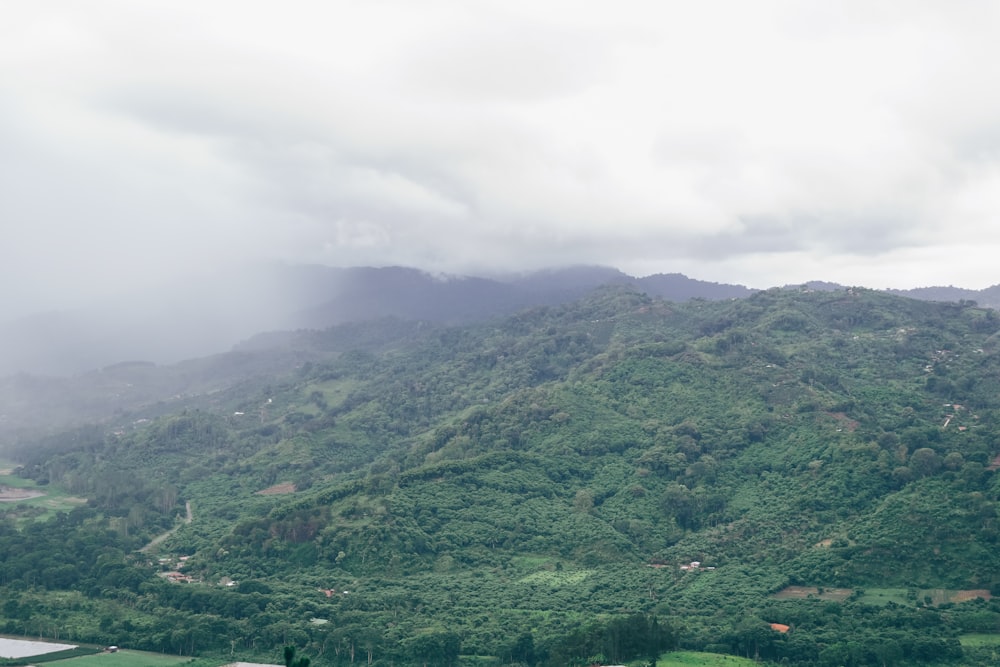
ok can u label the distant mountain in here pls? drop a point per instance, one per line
(568, 280)
(368, 293)
(988, 297)
(678, 287)
(818, 286)
(209, 314)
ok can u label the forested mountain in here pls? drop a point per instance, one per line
(989, 296)
(596, 480)
(210, 313)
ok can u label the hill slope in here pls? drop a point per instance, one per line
(530, 488)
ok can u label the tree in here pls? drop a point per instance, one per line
(434, 648)
(292, 661)
(925, 462)
(523, 650)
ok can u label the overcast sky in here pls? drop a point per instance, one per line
(760, 143)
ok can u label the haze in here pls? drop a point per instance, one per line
(143, 144)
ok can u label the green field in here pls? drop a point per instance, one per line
(556, 578)
(979, 640)
(128, 659)
(903, 596)
(806, 592)
(53, 500)
(886, 595)
(330, 393)
(695, 659)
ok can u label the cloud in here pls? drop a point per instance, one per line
(765, 142)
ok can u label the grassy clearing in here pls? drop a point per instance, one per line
(557, 578)
(50, 501)
(881, 596)
(979, 641)
(123, 659)
(806, 592)
(695, 659)
(7, 478)
(530, 562)
(933, 596)
(334, 392)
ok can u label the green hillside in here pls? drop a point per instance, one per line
(596, 482)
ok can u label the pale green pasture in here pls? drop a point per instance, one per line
(876, 596)
(52, 501)
(695, 659)
(530, 562)
(557, 578)
(903, 596)
(979, 640)
(334, 392)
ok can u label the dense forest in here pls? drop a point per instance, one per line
(799, 477)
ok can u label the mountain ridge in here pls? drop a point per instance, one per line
(211, 314)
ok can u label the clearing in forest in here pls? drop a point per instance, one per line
(696, 659)
(979, 640)
(12, 494)
(18, 491)
(804, 592)
(931, 596)
(556, 578)
(278, 489)
(965, 596)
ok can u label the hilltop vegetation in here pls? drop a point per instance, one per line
(527, 490)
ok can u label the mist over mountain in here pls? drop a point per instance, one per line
(384, 333)
(208, 314)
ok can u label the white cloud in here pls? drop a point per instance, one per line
(752, 142)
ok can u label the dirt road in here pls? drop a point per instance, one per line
(156, 541)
